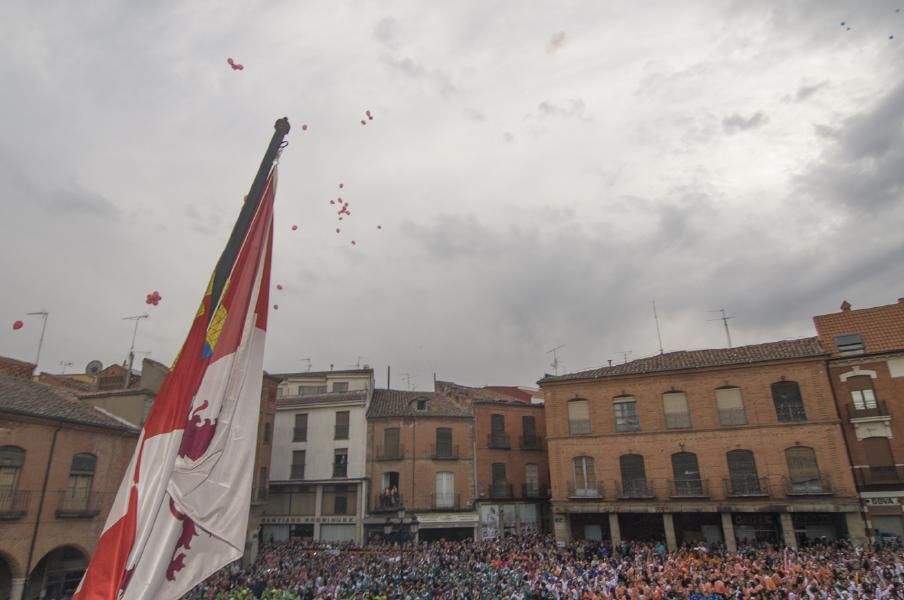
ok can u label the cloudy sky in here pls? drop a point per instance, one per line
(541, 172)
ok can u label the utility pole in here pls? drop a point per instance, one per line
(724, 318)
(45, 315)
(137, 319)
(658, 333)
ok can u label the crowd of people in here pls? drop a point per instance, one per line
(536, 567)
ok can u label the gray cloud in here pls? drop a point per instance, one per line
(387, 32)
(806, 91)
(474, 115)
(556, 42)
(570, 108)
(737, 122)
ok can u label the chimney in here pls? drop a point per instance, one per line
(331, 366)
(845, 306)
(900, 300)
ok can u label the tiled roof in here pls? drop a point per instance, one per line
(398, 403)
(309, 399)
(29, 398)
(698, 359)
(15, 367)
(511, 390)
(322, 374)
(119, 392)
(65, 382)
(881, 327)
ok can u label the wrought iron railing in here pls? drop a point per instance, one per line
(746, 486)
(635, 489)
(391, 452)
(818, 485)
(688, 488)
(586, 490)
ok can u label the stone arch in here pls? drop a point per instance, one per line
(14, 566)
(57, 572)
(857, 371)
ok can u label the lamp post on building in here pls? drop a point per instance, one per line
(399, 527)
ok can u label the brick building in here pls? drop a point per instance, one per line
(713, 445)
(61, 462)
(317, 466)
(866, 369)
(260, 490)
(420, 448)
(510, 462)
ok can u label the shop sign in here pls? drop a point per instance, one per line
(887, 501)
(305, 520)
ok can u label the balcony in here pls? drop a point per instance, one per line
(391, 452)
(13, 504)
(589, 490)
(790, 413)
(579, 426)
(879, 477)
(820, 485)
(746, 486)
(445, 502)
(296, 472)
(444, 452)
(500, 489)
(387, 502)
(78, 504)
(300, 434)
(677, 421)
(534, 490)
(879, 410)
(731, 417)
(500, 440)
(689, 488)
(530, 443)
(635, 489)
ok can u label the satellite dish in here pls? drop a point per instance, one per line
(94, 367)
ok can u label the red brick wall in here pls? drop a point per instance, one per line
(515, 458)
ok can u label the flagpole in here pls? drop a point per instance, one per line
(248, 209)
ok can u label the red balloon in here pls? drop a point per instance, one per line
(379, 227)
(304, 127)
(363, 122)
(279, 287)
(354, 243)
(337, 230)
(18, 325)
(332, 202)
(276, 307)
(341, 185)
(294, 227)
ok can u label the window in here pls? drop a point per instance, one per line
(445, 490)
(340, 386)
(81, 478)
(531, 480)
(789, 407)
(443, 442)
(633, 477)
(11, 460)
(340, 462)
(626, 414)
(731, 406)
(297, 471)
(389, 493)
(498, 438)
(300, 433)
(880, 459)
(501, 487)
(803, 471)
(676, 414)
(742, 474)
(268, 432)
(340, 504)
(584, 476)
(421, 405)
(262, 483)
(529, 431)
(578, 417)
(862, 395)
(391, 448)
(311, 390)
(849, 343)
(341, 425)
(686, 473)
(280, 392)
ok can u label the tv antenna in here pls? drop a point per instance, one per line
(555, 358)
(64, 364)
(406, 377)
(45, 315)
(358, 362)
(724, 318)
(137, 319)
(658, 333)
(307, 359)
(625, 354)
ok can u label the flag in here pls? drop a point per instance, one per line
(181, 511)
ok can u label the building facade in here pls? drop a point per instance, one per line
(61, 463)
(420, 449)
(510, 462)
(728, 445)
(260, 490)
(866, 370)
(318, 487)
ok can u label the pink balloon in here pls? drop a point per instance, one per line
(304, 127)
(279, 287)
(294, 227)
(18, 325)
(276, 307)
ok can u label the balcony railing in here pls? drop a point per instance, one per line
(445, 502)
(300, 434)
(530, 442)
(627, 424)
(444, 452)
(13, 504)
(689, 488)
(638, 489)
(729, 417)
(78, 504)
(500, 489)
(499, 439)
(296, 472)
(387, 502)
(534, 490)
(391, 452)
(879, 410)
(586, 490)
(878, 476)
(790, 413)
(579, 426)
(677, 421)
(820, 485)
(746, 486)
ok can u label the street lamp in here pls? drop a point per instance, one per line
(400, 528)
